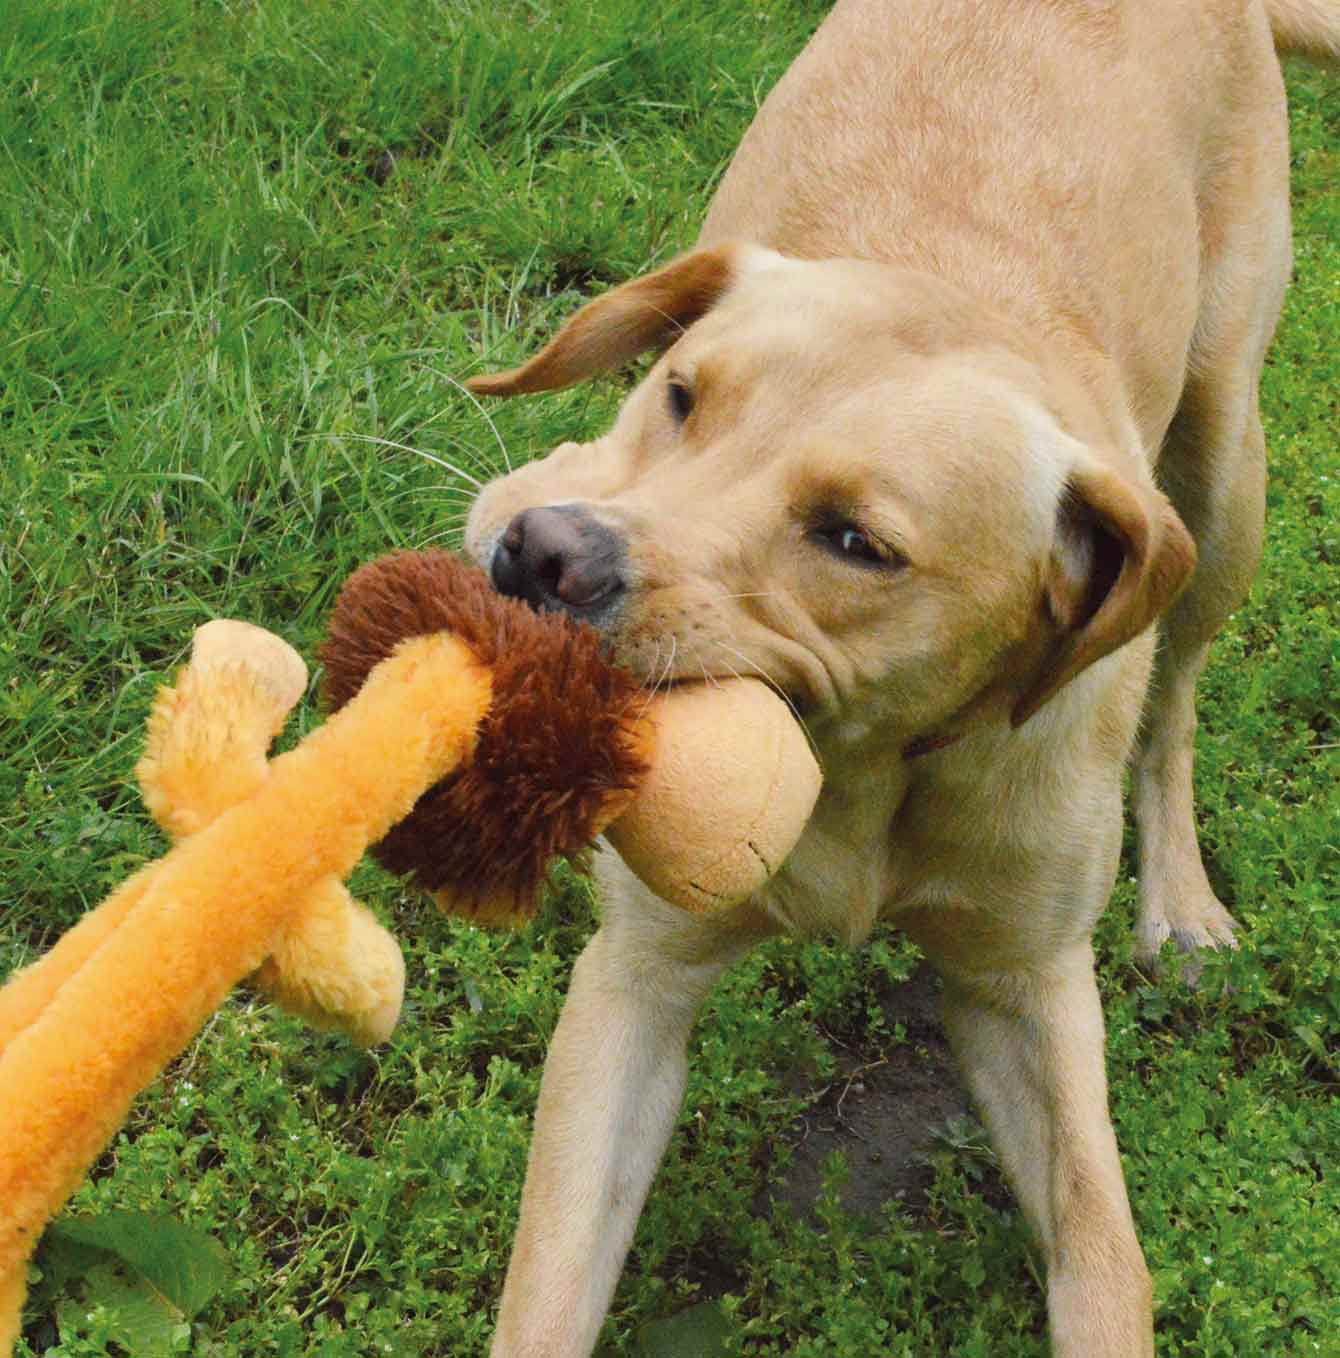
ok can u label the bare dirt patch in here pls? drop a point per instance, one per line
(882, 1110)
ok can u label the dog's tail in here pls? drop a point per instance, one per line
(1306, 28)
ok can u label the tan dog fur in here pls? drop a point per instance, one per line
(988, 284)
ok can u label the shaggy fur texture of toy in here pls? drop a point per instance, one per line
(554, 762)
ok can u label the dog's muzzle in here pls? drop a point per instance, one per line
(561, 559)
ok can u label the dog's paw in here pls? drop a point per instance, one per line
(1193, 923)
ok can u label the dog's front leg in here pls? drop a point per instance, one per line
(1030, 1043)
(611, 1090)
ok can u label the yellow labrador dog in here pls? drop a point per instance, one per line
(959, 395)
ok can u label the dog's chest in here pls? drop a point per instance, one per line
(841, 875)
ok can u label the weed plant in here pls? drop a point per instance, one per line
(247, 252)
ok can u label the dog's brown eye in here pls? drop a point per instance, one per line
(846, 540)
(680, 399)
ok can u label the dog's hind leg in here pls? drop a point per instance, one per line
(1176, 898)
(1212, 467)
(612, 1086)
(1030, 1044)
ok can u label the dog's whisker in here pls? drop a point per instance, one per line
(655, 665)
(666, 676)
(731, 670)
(648, 697)
(653, 686)
(666, 316)
(474, 400)
(777, 689)
(450, 490)
(457, 533)
(475, 458)
(457, 498)
(407, 448)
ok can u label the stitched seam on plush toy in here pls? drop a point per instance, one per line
(754, 849)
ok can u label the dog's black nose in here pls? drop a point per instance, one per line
(562, 559)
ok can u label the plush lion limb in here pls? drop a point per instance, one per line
(332, 964)
(187, 930)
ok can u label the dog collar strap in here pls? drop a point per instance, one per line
(928, 745)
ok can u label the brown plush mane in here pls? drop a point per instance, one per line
(557, 743)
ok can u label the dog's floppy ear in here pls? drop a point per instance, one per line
(634, 317)
(1120, 557)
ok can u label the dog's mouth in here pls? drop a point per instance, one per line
(667, 661)
(562, 558)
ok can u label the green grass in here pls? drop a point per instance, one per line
(247, 248)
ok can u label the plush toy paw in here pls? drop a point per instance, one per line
(333, 964)
(335, 967)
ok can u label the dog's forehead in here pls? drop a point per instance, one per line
(837, 324)
(872, 382)
(949, 442)
(798, 303)
(862, 299)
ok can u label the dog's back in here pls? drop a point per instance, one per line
(1306, 28)
(1066, 158)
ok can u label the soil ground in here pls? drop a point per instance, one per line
(882, 1110)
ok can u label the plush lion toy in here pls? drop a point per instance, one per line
(508, 730)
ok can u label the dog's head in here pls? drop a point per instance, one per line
(837, 475)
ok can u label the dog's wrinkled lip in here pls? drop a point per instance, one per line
(805, 705)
